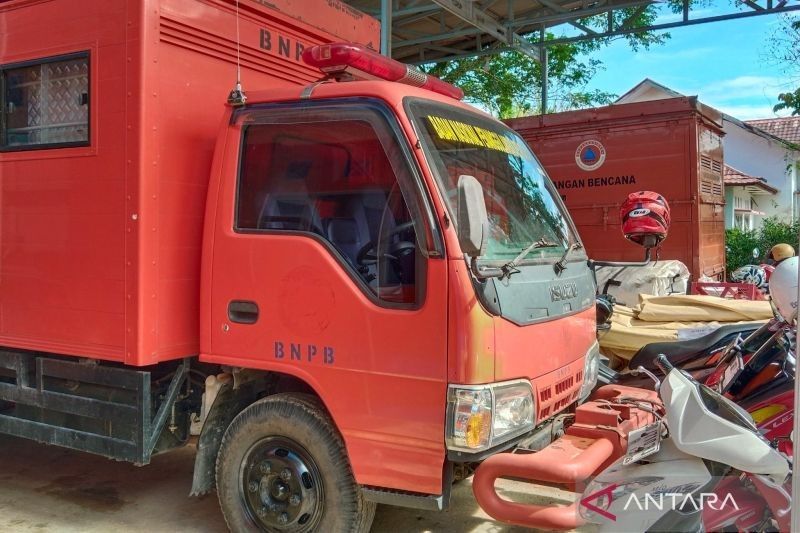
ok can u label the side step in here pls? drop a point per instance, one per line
(404, 499)
(84, 405)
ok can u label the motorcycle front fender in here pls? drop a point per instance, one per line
(639, 496)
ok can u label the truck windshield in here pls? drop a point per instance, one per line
(522, 204)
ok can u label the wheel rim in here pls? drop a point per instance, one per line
(281, 486)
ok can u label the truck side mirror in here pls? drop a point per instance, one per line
(471, 217)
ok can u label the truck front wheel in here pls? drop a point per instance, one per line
(282, 466)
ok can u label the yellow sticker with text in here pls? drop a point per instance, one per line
(452, 130)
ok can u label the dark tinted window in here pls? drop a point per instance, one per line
(339, 181)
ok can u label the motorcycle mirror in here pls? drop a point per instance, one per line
(756, 253)
(642, 370)
(663, 364)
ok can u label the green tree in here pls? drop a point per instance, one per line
(785, 49)
(774, 231)
(739, 244)
(509, 83)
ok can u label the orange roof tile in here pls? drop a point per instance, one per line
(787, 128)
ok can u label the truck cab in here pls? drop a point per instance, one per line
(404, 259)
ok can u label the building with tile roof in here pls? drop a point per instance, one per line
(787, 128)
(764, 156)
(744, 194)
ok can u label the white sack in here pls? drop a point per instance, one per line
(660, 278)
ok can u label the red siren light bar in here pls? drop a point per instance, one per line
(362, 63)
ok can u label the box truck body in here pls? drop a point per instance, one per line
(102, 237)
(596, 157)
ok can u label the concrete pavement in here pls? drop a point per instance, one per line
(50, 489)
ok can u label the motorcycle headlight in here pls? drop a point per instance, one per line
(482, 416)
(591, 369)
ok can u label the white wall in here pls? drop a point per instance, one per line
(764, 158)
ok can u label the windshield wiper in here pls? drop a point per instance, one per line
(561, 265)
(511, 267)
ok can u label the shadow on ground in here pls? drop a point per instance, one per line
(45, 488)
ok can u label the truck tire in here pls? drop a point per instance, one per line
(282, 466)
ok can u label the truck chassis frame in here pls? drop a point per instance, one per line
(54, 400)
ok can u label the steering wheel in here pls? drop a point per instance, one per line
(367, 255)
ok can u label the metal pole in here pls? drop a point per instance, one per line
(386, 27)
(796, 433)
(543, 63)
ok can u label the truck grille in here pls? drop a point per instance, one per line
(553, 397)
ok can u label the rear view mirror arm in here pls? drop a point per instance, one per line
(484, 272)
(647, 260)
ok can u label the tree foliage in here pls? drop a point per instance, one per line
(785, 49)
(509, 83)
(739, 244)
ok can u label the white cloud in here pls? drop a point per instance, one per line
(744, 97)
(747, 111)
(743, 87)
(656, 57)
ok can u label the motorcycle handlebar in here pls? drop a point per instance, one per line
(663, 364)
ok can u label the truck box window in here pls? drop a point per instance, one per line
(45, 103)
(335, 181)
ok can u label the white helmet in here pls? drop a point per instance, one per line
(783, 288)
(753, 274)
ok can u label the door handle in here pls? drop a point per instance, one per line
(243, 311)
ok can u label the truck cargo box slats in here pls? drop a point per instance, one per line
(178, 33)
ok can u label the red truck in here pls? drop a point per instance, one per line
(345, 288)
(598, 156)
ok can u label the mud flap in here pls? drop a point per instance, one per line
(228, 403)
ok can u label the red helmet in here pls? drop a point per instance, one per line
(645, 218)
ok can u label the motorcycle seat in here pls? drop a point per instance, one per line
(681, 352)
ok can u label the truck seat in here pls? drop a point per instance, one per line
(344, 234)
(293, 211)
(349, 231)
(682, 352)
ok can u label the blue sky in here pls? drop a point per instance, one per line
(725, 63)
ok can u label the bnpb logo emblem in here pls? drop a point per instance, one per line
(590, 155)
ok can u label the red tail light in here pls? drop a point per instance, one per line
(361, 62)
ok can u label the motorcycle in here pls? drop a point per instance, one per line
(702, 466)
(698, 355)
(757, 373)
(762, 382)
(712, 354)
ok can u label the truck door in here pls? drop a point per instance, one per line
(327, 266)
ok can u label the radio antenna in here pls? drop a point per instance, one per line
(237, 96)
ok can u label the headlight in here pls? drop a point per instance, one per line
(482, 416)
(591, 368)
